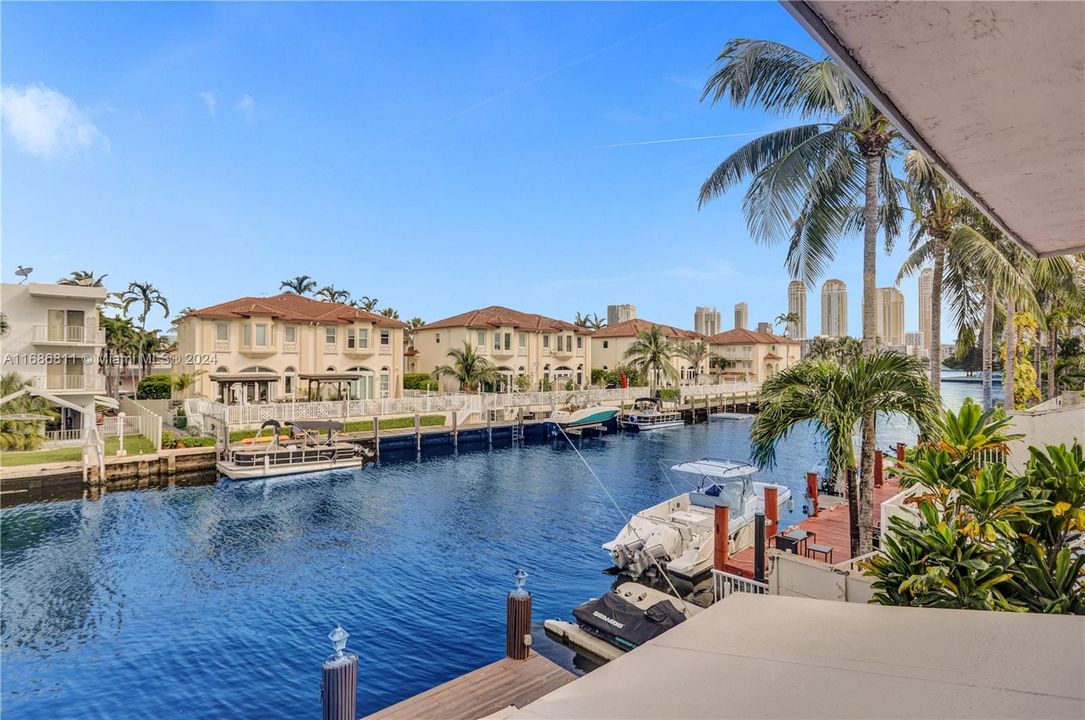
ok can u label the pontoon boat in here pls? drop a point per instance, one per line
(648, 414)
(301, 451)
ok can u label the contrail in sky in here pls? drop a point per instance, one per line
(676, 140)
(494, 98)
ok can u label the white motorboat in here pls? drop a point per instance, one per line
(649, 414)
(302, 451)
(678, 533)
(579, 412)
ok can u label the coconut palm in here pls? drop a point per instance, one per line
(365, 303)
(85, 278)
(836, 398)
(147, 296)
(390, 313)
(468, 368)
(650, 354)
(122, 340)
(1059, 284)
(299, 285)
(842, 350)
(329, 293)
(695, 352)
(814, 184)
(788, 320)
(592, 322)
(412, 327)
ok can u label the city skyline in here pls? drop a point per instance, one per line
(834, 308)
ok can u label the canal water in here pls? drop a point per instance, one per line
(216, 601)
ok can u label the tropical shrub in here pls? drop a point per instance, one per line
(22, 434)
(667, 394)
(154, 387)
(419, 381)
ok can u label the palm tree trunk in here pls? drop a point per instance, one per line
(1011, 353)
(936, 314)
(864, 499)
(1052, 356)
(988, 344)
(853, 513)
(1036, 360)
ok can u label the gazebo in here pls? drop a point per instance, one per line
(319, 380)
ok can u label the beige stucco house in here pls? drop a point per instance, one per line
(609, 345)
(753, 356)
(267, 349)
(534, 346)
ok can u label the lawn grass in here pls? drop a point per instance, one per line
(134, 444)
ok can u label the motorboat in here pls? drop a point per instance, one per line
(579, 412)
(677, 535)
(304, 449)
(621, 620)
(649, 414)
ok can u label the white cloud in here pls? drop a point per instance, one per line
(46, 123)
(246, 105)
(210, 101)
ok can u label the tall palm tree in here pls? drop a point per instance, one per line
(329, 293)
(147, 296)
(412, 327)
(85, 278)
(842, 350)
(788, 320)
(592, 322)
(650, 354)
(468, 368)
(365, 303)
(122, 340)
(836, 398)
(695, 352)
(1059, 284)
(389, 312)
(814, 184)
(299, 285)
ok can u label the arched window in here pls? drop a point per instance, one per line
(386, 383)
(330, 369)
(289, 380)
(222, 369)
(362, 388)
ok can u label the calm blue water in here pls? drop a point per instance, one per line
(216, 601)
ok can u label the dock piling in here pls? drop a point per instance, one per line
(377, 436)
(772, 511)
(812, 492)
(759, 547)
(879, 473)
(339, 681)
(722, 537)
(417, 432)
(518, 620)
(900, 452)
(455, 430)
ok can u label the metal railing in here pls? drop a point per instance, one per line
(724, 584)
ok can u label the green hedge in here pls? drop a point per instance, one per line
(669, 394)
(154, 387)
(363, 426)
(418, 381)
(170, 441)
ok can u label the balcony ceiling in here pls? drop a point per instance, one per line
(994, 92)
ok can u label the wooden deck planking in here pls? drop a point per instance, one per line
(483, 692)
(832, 526)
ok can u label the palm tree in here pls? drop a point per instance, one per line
(365, 303)
(85, 278)
(122, 345)
(788, 320)
(836, 398)
(5, 325)
(181, 382)
(390, 313)
(412, 326)
(842, 350)
(25, 434)
(694, 351)
(146, 295)
(299, 285)
(468, 368)
(1059, 284)
(592, 322)
(329, 293)
(813, 184)
(650, 354)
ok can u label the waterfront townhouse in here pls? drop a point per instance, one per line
(536, 348)
(290, 347)
(53, 340)
(753, 356)
(609, 345)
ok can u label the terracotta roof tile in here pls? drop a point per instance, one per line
(634, 327)
(496, 316)
(749, 337)
(290, 307)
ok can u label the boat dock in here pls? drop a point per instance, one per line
(831, 527)
(494, 691)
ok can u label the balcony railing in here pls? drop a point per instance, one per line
(74, 381)
(68, 335)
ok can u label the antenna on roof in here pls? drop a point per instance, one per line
(24, 273)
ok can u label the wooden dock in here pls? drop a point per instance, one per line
(832, 526)
(485, 692)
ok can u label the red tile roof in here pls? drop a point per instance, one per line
(290, 307)
(749, 337)
(634, 327)
(496, 316)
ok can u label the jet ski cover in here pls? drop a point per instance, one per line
(621, 623)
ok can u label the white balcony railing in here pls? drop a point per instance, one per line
(57, 382)
(68, 335)
(724, 583)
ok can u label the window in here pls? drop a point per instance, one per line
(363, 338)
(288, 380)
(546, 341)
(437, 336)
(523, 340)
(350, 338)
(331, 335)
(497, 341)
(480, 339)
(606, 344)
(386, 337)
(246, 334)
(222, 332)
(508, 341)
(384, 382)
(579, 342)
(290, 334)
(261, 334)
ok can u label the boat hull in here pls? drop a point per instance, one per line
(255, 473)
(584, 417)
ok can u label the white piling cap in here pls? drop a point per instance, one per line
(339, 636)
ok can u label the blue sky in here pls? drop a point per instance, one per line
(438, 156)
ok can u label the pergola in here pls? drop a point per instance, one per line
(227, 380)
(328, 378)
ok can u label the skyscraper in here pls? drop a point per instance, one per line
(796, 304)
(707, 321)
(764, 327)
(926, 284)
(617, 314)
(889, 314)
(834, 308)
(742, 316)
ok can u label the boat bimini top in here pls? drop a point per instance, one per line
(715, 468)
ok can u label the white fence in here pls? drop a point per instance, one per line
(724, 583)
(149, 424)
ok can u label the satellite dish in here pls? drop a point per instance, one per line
(24, 273)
